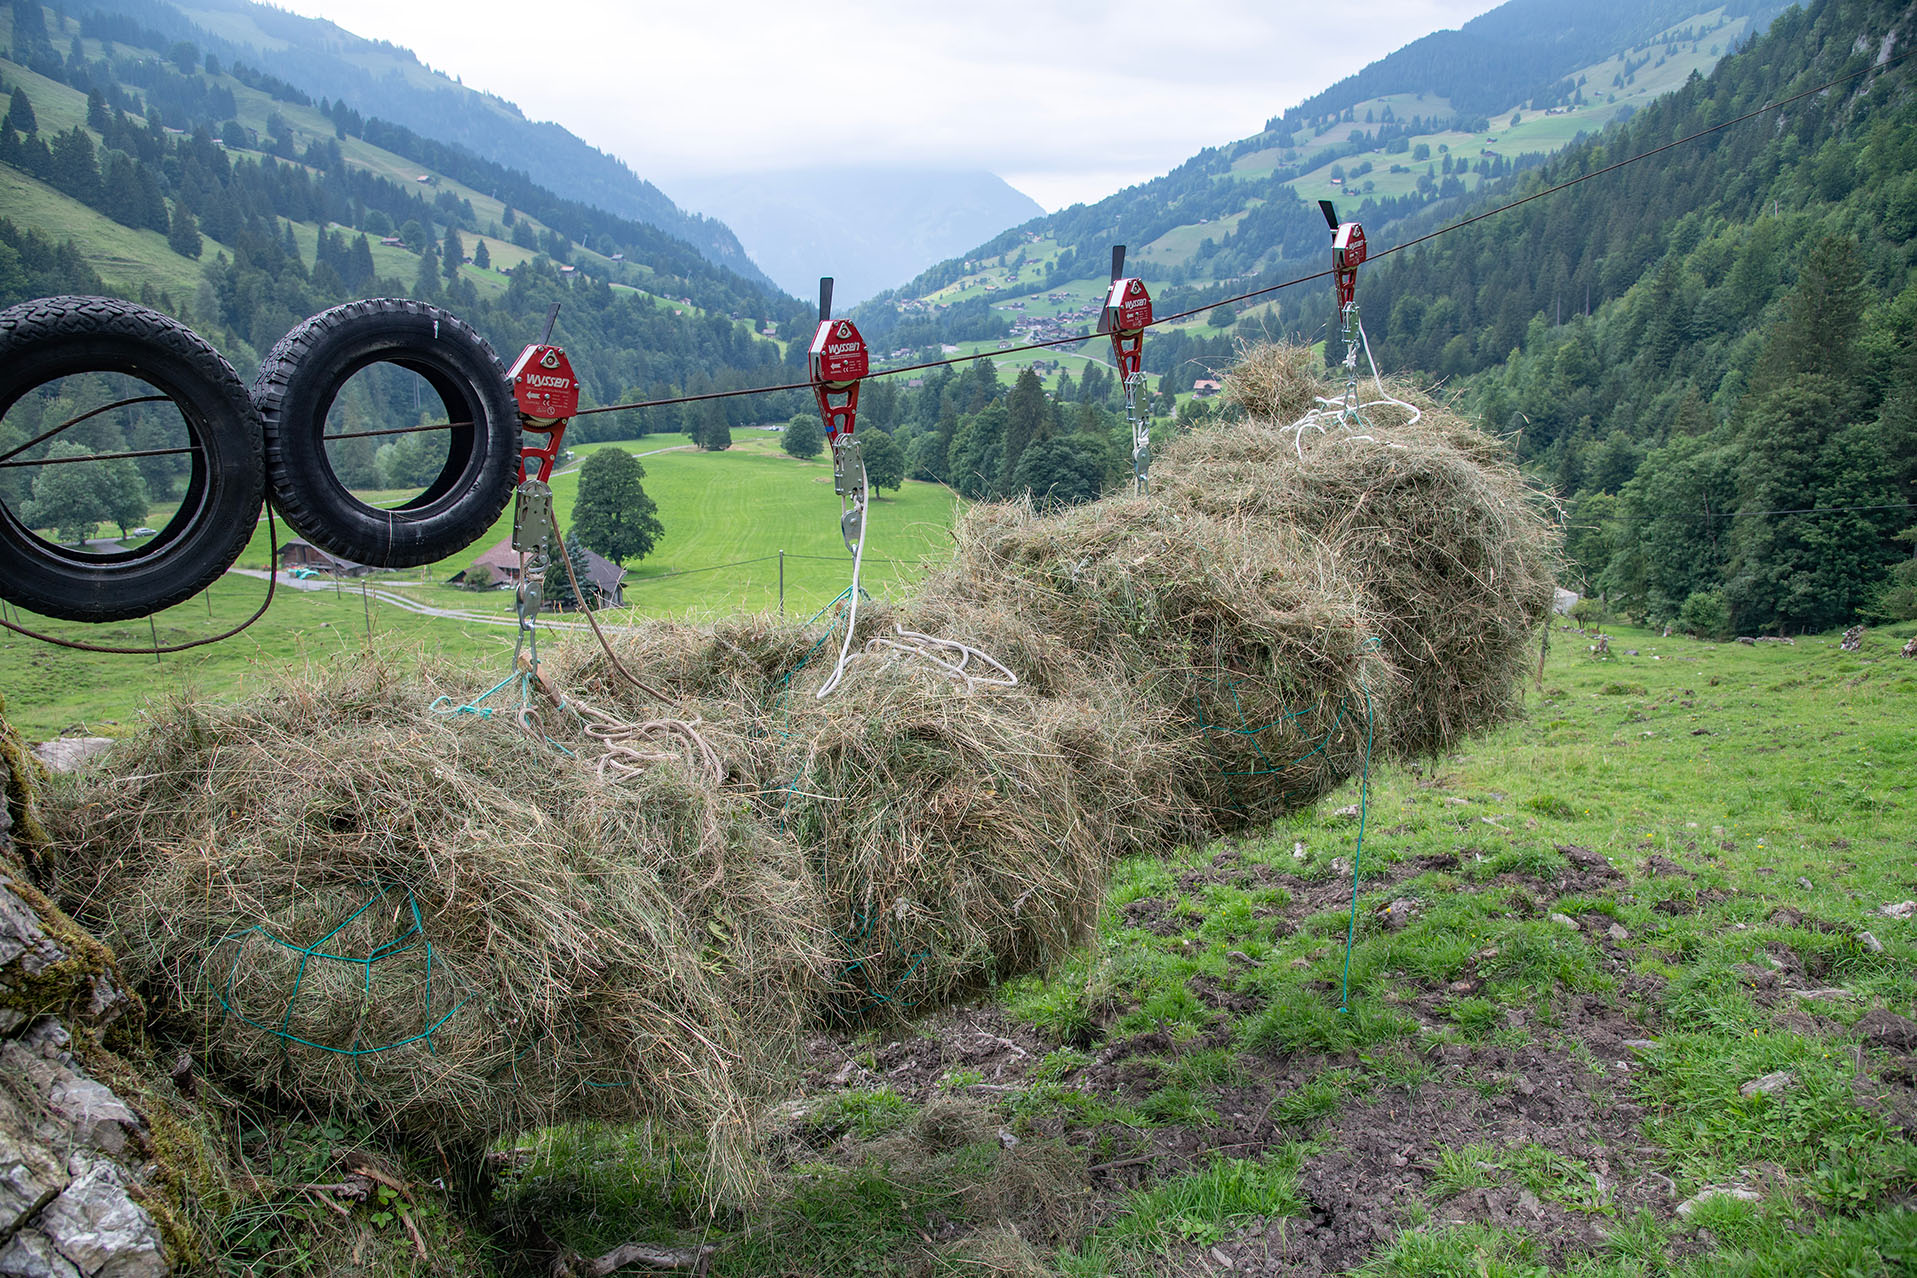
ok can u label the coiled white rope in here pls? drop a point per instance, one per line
(949, 655)
(1337, 412)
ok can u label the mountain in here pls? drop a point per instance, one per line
(1386, 144)
(1711, 354)
(375, 77)
(1520, 51)
(134, 164)
(870, 229)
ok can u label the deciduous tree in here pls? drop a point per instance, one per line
(614, 516)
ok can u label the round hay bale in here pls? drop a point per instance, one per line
(1243, 634)
(1452, 551)
(960, 838)
(432, 921)
(1273, 380)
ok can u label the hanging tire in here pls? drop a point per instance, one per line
(55, 337)
(295, 390)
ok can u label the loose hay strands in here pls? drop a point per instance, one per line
(651, 942)
(579, 949)
(1449, 546)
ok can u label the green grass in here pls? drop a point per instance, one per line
(745, 504)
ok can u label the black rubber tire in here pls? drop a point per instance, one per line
(295, 390)
(56, 337)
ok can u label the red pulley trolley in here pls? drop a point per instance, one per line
(837, 362)
(1127, 314)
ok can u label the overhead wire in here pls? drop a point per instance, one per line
(1070, 339)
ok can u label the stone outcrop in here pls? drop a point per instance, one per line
(82, 1194)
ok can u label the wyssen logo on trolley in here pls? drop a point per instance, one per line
(544, 384)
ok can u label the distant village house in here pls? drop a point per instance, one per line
(501, 566)
(303, 554)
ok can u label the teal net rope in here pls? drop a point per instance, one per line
(1357, 856)
(413, 938)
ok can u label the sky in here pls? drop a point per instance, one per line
(1068, 102)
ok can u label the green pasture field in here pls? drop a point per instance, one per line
(718, 509)
(1625, 954)
(1179, 243)
(1626, 998)
(128, 257)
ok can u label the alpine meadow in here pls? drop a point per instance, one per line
(1342, 709)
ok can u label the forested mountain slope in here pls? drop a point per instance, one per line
(1721, 331)
(1387, 144)
(374, 77)
(226, 196)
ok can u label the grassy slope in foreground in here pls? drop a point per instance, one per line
(1511, 1094)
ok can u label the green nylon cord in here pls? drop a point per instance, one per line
(413, 937)
(1357, 856)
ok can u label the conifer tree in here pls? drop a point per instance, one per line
(20, 112)
(183, 233)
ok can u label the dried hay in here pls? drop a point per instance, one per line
(958, 837)
(1242, 634)
(581, 949)
(1207, 658)
(1450, 548)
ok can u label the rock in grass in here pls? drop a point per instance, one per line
(1768, 1084)
(69, 754)
(1736, 1193)
(1564, 920)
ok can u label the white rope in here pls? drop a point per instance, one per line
(851, 621)
(950, 656)
(1384, 396)
(1337, 412)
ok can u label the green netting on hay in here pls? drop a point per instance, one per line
(411, 948)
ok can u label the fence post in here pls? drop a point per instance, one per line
(782, 583)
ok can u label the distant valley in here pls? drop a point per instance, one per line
(871, 229)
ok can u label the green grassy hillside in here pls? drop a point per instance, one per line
(745, 504)
(1244, 214)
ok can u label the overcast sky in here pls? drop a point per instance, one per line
(1066, 101)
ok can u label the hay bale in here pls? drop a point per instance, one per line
(1243, 635)
(959, 838)
(1452, 551)
(542, 946)
(1204, 659)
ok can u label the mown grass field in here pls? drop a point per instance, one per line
(1624, 1001)
(726, 518)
